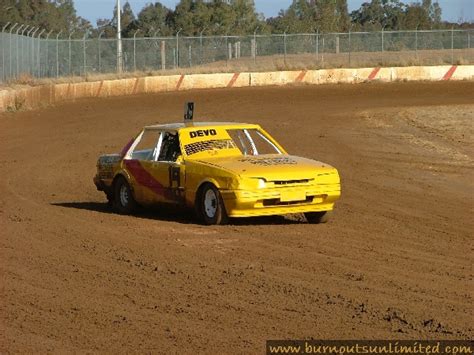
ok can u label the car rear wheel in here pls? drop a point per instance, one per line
(318, 217)
(211, 207)
(124, 203)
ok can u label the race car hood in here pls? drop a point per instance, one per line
(272, 167)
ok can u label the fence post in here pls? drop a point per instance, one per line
(350, 46)
(163, 55)
(38, 71)
(201, 45)
(383, 28)
(26, 56)
(317, 44)
(18, 51)
(3, 51)
(57, 53)
(70, 34)
(32, 63)
(322, 55)
(416, 42)
(84, 52)
(99, 49)
(190, 56)
(177, 48)
(135, 50)
(452, 45)
(254, 45)
(10, 65)
(47, 53)
(337, 44)
(227, 48)
(30, 49)
(284, 46)
(174, 58)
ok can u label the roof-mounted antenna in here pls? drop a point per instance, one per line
(188, 112)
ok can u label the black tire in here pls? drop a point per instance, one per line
(110, 199)
(210, 206)
(318, 217)
(123, 202)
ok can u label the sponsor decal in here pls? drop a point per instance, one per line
(203, 133)
(269, 161)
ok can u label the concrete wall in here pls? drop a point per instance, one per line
(35, 97)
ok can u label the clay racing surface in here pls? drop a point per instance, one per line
(395, 262)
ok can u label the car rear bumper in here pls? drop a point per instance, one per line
(279, 201)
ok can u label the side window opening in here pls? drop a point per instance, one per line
(147, 148)
(169, 148)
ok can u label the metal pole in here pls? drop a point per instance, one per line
(32, 63)
(84, 52)
(47, 52)
(70, 34)
(200, 42)
(3, 51)
(317, 44)
(155, 35)
(227, 48)
(350, 46)
(25, 58)
(135, 50)
(284, 46)
(98, 43)
(18, 52)
(57, 53)
(177, 47)
(119, 38)
(416, 42)
(383, 28)
(10, 66)
(255, 45)
(452, 45)
(190, 60)
(38, 61)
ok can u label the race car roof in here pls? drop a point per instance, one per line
(178, 126)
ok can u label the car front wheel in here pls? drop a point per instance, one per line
(318, 217)
(124, 202)
(211, 206)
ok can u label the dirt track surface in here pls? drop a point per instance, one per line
(395, 262)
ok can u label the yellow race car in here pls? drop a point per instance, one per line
(221, 170)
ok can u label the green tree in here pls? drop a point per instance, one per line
(155, 18)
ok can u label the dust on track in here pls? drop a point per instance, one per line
(394, 263)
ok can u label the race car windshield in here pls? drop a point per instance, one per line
(252, 142)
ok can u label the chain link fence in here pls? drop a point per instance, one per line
(27, 54)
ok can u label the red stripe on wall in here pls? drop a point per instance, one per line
(301, 76)
(135, 86)
(450, 73)
(100, 88)
(374, 73)
(233, 80)
(180, 81)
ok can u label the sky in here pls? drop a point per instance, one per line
(453, 10)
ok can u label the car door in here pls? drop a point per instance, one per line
(166, 171)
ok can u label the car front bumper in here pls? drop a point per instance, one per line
(280, 201)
